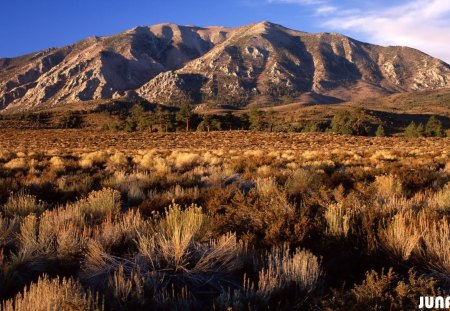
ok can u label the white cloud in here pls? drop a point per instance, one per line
(298, 1)
(322, 7)
(422, 24)
(326, 10)
(294, 1)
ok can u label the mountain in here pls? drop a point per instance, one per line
(101, 67)
(261, 63)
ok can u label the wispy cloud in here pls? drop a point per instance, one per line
(297, 1)
(321, 7)
(422, 24)
(326, 10)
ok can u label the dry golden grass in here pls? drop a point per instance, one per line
(118, 159)
(252, 142)
(436, 237)
(87, 160)
(442, 198)
(16, 164)
(57, 162)
(284, 269)
(159, 220)
(388, 186)
(22, 204)
(100, 204)
(52, 295)
(178, 230)
(338, 220)
(401, 236)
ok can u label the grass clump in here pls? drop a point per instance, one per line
(22, 204)
(16, 164)
(300, 270)
(100, 205)
(54, 294)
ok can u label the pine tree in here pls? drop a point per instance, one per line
(228, 119)
(169, 121)
(271, 119)
(256, 119)
(420, 130)
(184, 115)
(159, 113)
(380, 131)
(208, 123)
(433, 127)
(140, 117)
(353, 122)
(411, 130)
(314, 127)
(216, 124)
(152, 120)
(137, 120)
(205, 124)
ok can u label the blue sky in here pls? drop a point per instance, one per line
(27, 26)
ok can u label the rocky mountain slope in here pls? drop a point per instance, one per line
(101, 67)
(260, 63)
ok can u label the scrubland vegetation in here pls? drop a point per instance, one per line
(242, 221)
(134, 117)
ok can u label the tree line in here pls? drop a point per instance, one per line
(167, 120)
(351, 122)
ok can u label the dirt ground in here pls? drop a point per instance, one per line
(227, 140)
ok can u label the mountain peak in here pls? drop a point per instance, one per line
(266, 24)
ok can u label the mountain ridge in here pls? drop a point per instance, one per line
(262, 63)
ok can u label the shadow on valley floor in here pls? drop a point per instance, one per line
(401, 120)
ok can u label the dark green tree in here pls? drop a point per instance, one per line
(229, 119)
(142, 118)
(433, 127)
(353, 122)
(209, 123)
(380, 131)
(153, 120)
(256, 119)
(271, 119)
(159, 115)
(311, 127)
(185, 115)
(71, 120)
(138, 120)
(420, 130)
(169, 121)
(411, 130)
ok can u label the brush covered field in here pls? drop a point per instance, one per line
(221, 221)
